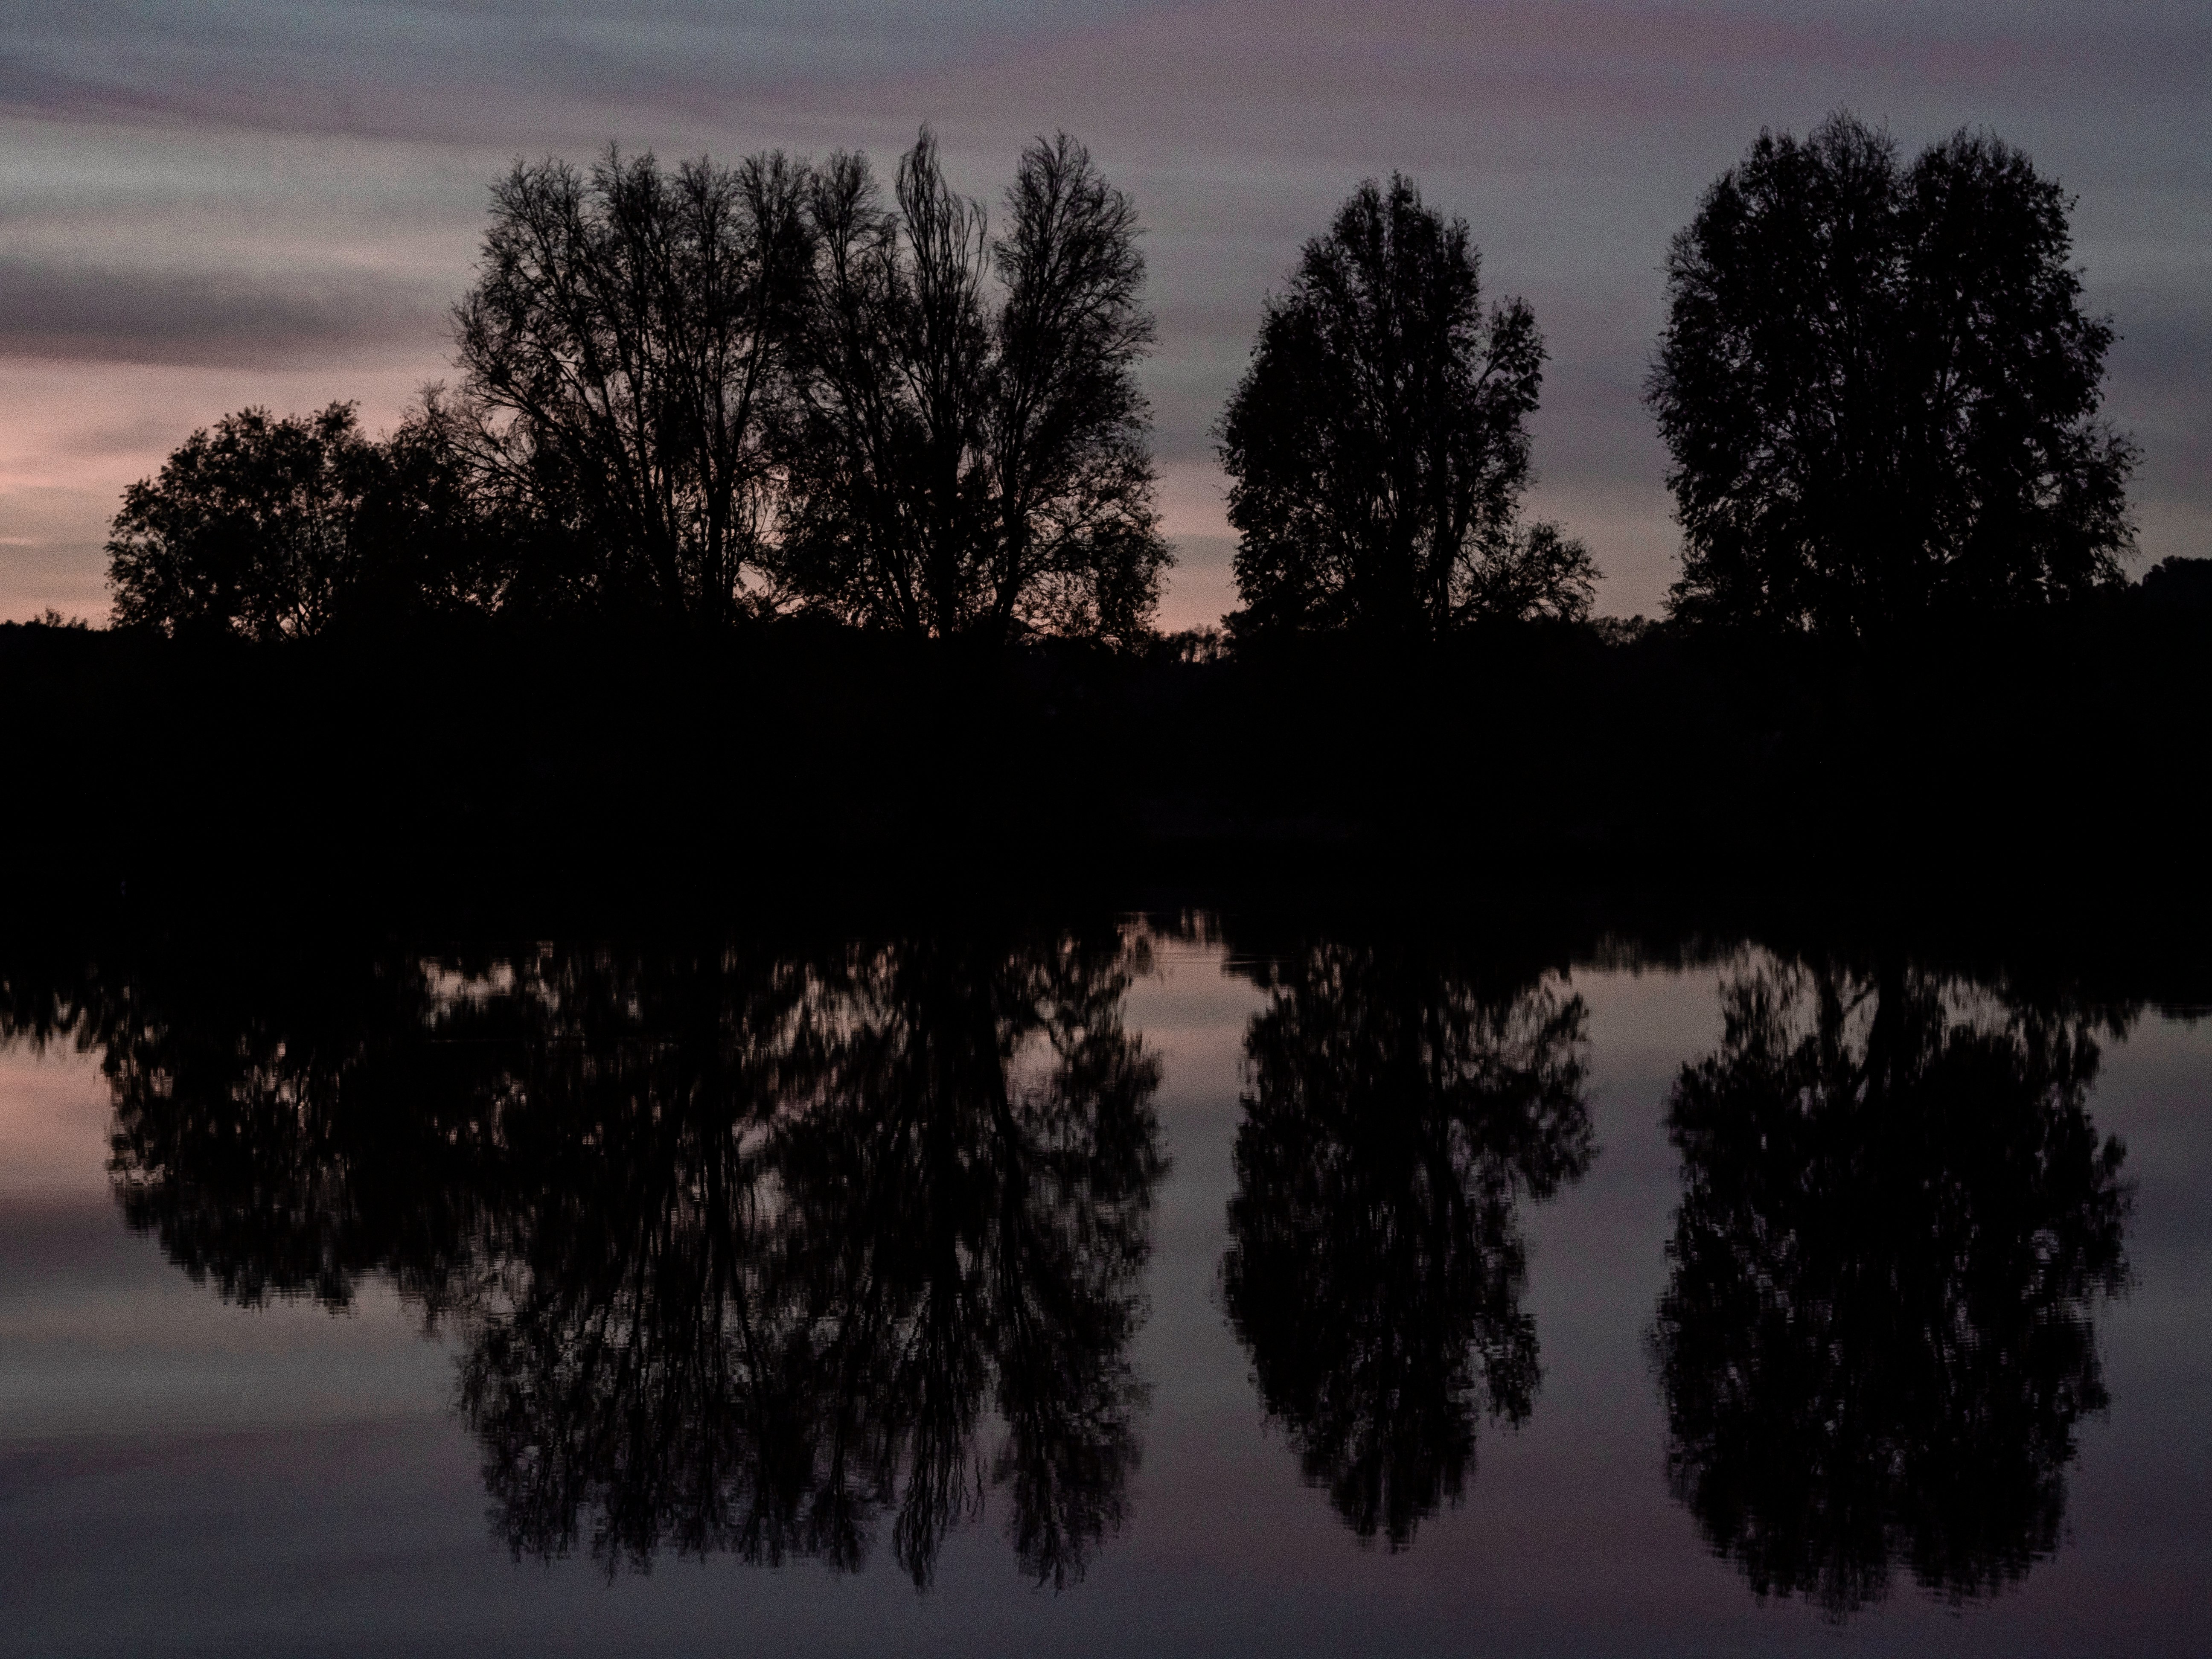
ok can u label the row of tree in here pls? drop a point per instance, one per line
(712, 390)
(715, 392)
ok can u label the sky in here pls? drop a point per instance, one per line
(206, 204)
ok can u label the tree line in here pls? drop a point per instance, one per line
(715, 393)
(707, 392)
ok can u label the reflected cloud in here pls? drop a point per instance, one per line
(1877, 1338)
(1400, 1108)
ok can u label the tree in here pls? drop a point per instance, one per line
(621, 353)
(1877, 1338)
(1377, 447)
(968, 457)
(272, 527)
(437, 543)
(1880, 389)
(247, 528)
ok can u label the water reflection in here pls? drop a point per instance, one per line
(1399, 1107)
(746, 1254)
(1877, 1338)
(821, 1253)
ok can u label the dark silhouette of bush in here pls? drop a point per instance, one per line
(2180, 584)
(1377, 447)
(1880, 389)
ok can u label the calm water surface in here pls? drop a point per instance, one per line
(1146, 1288)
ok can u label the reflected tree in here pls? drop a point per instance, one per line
(1876, 1341)
(270, 1123)
(743, 1253)
(924, 1198)
(1398, 1111)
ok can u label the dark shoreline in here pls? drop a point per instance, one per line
(2042, 773)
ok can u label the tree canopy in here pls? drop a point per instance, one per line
(967, 457)
(269, 527)
(1880, 388)
(1377, 447)
(621, 354)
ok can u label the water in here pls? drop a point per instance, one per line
(1155, 1287)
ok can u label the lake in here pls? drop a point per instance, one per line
(1171, 1285)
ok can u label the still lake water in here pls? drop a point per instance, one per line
(1152, 1288)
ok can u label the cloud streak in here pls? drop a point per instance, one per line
(95, 313)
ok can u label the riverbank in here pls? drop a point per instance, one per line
(485, 765)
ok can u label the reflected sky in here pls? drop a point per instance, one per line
(212, 205)
(313, 1461)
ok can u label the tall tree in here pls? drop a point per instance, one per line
(1880, 388)
(969, 454)
(1377, 447)
(621, 352)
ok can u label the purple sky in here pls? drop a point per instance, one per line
(208, 205)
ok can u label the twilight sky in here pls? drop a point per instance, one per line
(206, 205)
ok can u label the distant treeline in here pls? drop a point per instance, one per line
(722, 393)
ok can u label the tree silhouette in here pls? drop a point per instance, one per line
(1398, 1111)
(1875, 1342)
(274, 527)
(1880, 389)
(1377, 447)
(964, 460)
(742, 1252)
(622, 355)
(247, 528)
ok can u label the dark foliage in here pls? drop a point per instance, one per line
(1400, 1110)
(1876, 1341)
(712, 393)
(1377, 447)
(743, 1250)
(270, 528)
(1880, 389)
(524, 780)
(2180, 584)
(622, 354)
(962, 460)
(482, 763)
